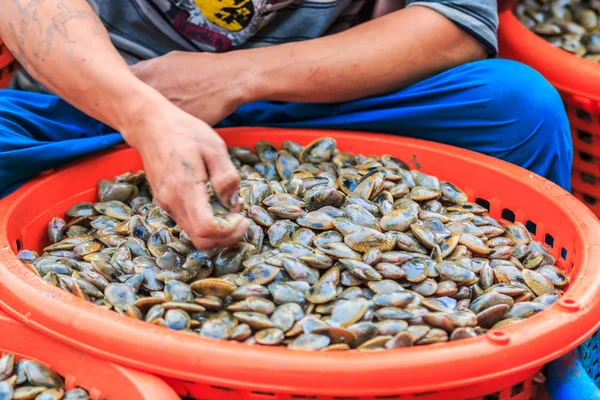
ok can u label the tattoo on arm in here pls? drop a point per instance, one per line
(47, 34)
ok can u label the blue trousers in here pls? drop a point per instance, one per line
(497, 107)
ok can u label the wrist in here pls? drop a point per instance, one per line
(251, 82)
(137, 110)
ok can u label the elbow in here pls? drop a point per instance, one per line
(465, 48)
(473, 50)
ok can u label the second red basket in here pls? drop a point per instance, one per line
(8, 65)
(578, 81)
(102, 379)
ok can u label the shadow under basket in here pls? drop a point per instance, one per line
(498, 365)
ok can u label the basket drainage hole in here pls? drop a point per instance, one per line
(588, 178)
(483, 203)
(589, 199)
(584, 115)
(18, 244)
(223, 388)
(549, 240)
(264, 394)
(492, 396)
(516, 389)
(586, 157)
(563, 253)
(531, 227)
(584, 136)
(508, 215)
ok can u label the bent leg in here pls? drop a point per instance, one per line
(498, 107)
(39, 132)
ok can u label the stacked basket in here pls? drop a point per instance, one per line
(101, 379)
(8, 65)
(578, 81)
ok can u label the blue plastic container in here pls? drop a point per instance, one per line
(576, 375)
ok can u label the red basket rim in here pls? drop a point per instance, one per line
(568, 73)
(565, 325)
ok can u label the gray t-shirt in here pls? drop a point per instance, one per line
(143, 29)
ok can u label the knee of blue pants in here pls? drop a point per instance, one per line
(537, 134)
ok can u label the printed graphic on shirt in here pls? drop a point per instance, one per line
(233, 15)
(218, 25)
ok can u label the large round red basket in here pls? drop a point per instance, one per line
(102, 379)
(500, 363)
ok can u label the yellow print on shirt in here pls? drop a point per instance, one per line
(233, 15)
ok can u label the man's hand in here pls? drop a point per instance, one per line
(207, 86)
(181, 154)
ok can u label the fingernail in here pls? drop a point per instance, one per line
(233, 202)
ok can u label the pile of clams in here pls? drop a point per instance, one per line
(572, 25)
(30, 379)
(344, 252)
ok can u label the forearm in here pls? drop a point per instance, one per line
(63, 44)
(379, 56)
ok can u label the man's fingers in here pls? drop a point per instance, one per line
(241, 229)
(203, 224)
(236, 236)
(224, 178)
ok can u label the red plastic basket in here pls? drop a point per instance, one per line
(578, 81)
(8, 65)
(102, 379)
(499, 364)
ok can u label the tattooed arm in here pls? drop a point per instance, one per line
(64, 45)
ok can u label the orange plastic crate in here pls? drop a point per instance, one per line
(578, 82)
(102, 379)
(499, 365)
(8, 66)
